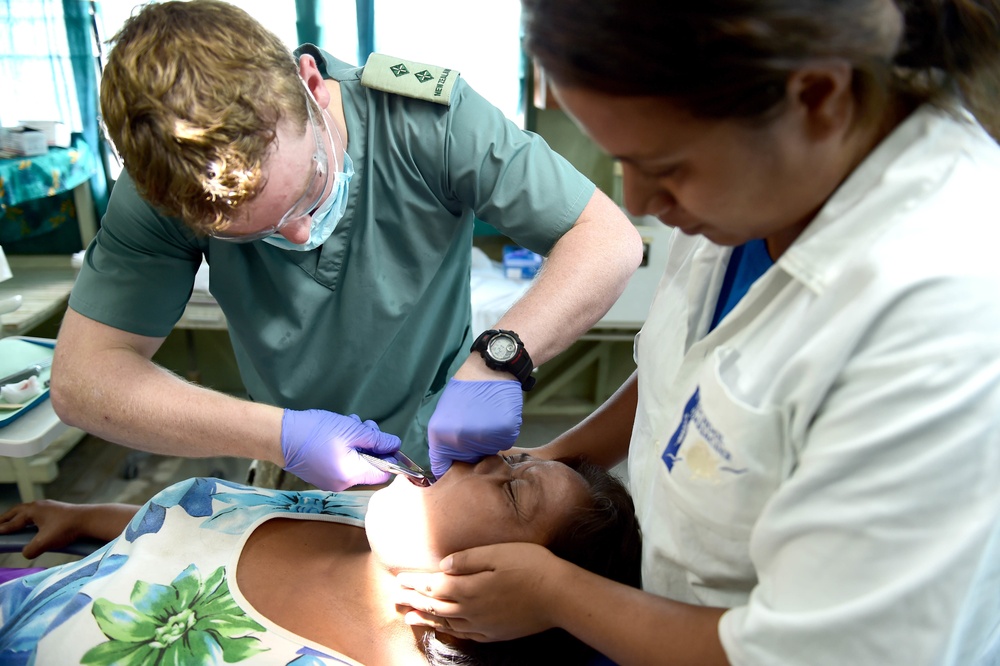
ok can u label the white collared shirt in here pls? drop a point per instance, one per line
(826, 462)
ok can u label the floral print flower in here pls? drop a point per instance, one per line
(193, 495)
(45, 607)
(186, 622)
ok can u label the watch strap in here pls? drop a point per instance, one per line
(519, 365)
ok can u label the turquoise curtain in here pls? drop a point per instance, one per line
(81, 32)
(307, 22)
(309, 25)
(47, 65)
(366, 29)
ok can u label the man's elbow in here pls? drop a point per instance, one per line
(621, 238)
(626, 243)
(64, 397)
(634, 242)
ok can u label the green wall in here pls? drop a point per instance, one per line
(566, 139)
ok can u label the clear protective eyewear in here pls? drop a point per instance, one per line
(310, 200)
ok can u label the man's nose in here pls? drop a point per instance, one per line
(297, 231)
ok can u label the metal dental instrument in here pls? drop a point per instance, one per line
(32, 370)
(401, 465)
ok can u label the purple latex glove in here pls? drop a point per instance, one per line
(474, 419)
(322, 447)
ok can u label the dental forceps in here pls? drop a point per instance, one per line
(413, 472)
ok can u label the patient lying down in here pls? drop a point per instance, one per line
(214, 572)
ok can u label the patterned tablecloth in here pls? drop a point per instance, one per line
(34, 191)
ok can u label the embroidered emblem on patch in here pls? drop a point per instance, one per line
(411, 79)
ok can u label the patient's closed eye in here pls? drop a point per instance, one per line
(509, 489)
(514, 487)
(516, 458)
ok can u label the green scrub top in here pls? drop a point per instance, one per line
(377, 320)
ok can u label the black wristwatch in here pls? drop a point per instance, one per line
(503, 350)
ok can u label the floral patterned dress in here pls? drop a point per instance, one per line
(164, 591)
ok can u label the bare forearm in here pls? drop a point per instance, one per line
(631, 626)
(604, 436)
(104, 383)
(145, 407)
(105, 521)
(583, 276)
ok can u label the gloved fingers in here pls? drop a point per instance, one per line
(442, 456)
(381, 443)
(439, 465)
(368, 474)
(321, 448)
(370, 477)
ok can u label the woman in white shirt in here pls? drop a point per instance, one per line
(813, 431)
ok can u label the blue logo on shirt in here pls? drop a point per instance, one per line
(674, 445)
(703, 463)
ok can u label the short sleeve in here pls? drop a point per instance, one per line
(511, 178)
(138, 272)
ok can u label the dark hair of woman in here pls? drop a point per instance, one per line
(602, 538)
(731, 58)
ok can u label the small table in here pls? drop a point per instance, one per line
(43, 282)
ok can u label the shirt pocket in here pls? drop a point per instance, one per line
(725, 458)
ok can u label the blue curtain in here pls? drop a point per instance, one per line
(81, 34)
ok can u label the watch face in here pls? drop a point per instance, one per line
(501, 348)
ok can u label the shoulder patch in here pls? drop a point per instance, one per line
(408, 78)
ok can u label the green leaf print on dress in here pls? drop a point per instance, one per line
(186, 622)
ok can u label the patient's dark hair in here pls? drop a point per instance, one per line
(602, 538)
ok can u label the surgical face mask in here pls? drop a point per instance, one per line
(326, 217)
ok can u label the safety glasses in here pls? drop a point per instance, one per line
(303, 208)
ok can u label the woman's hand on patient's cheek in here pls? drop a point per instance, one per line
(490, 593)
(58, 524)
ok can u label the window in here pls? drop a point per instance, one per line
(479, 39)
(34, 49)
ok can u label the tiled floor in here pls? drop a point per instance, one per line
(97, 471)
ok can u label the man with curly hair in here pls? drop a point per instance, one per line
(335, 206)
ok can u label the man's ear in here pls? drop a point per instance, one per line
(309, 73)
(822, 95)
